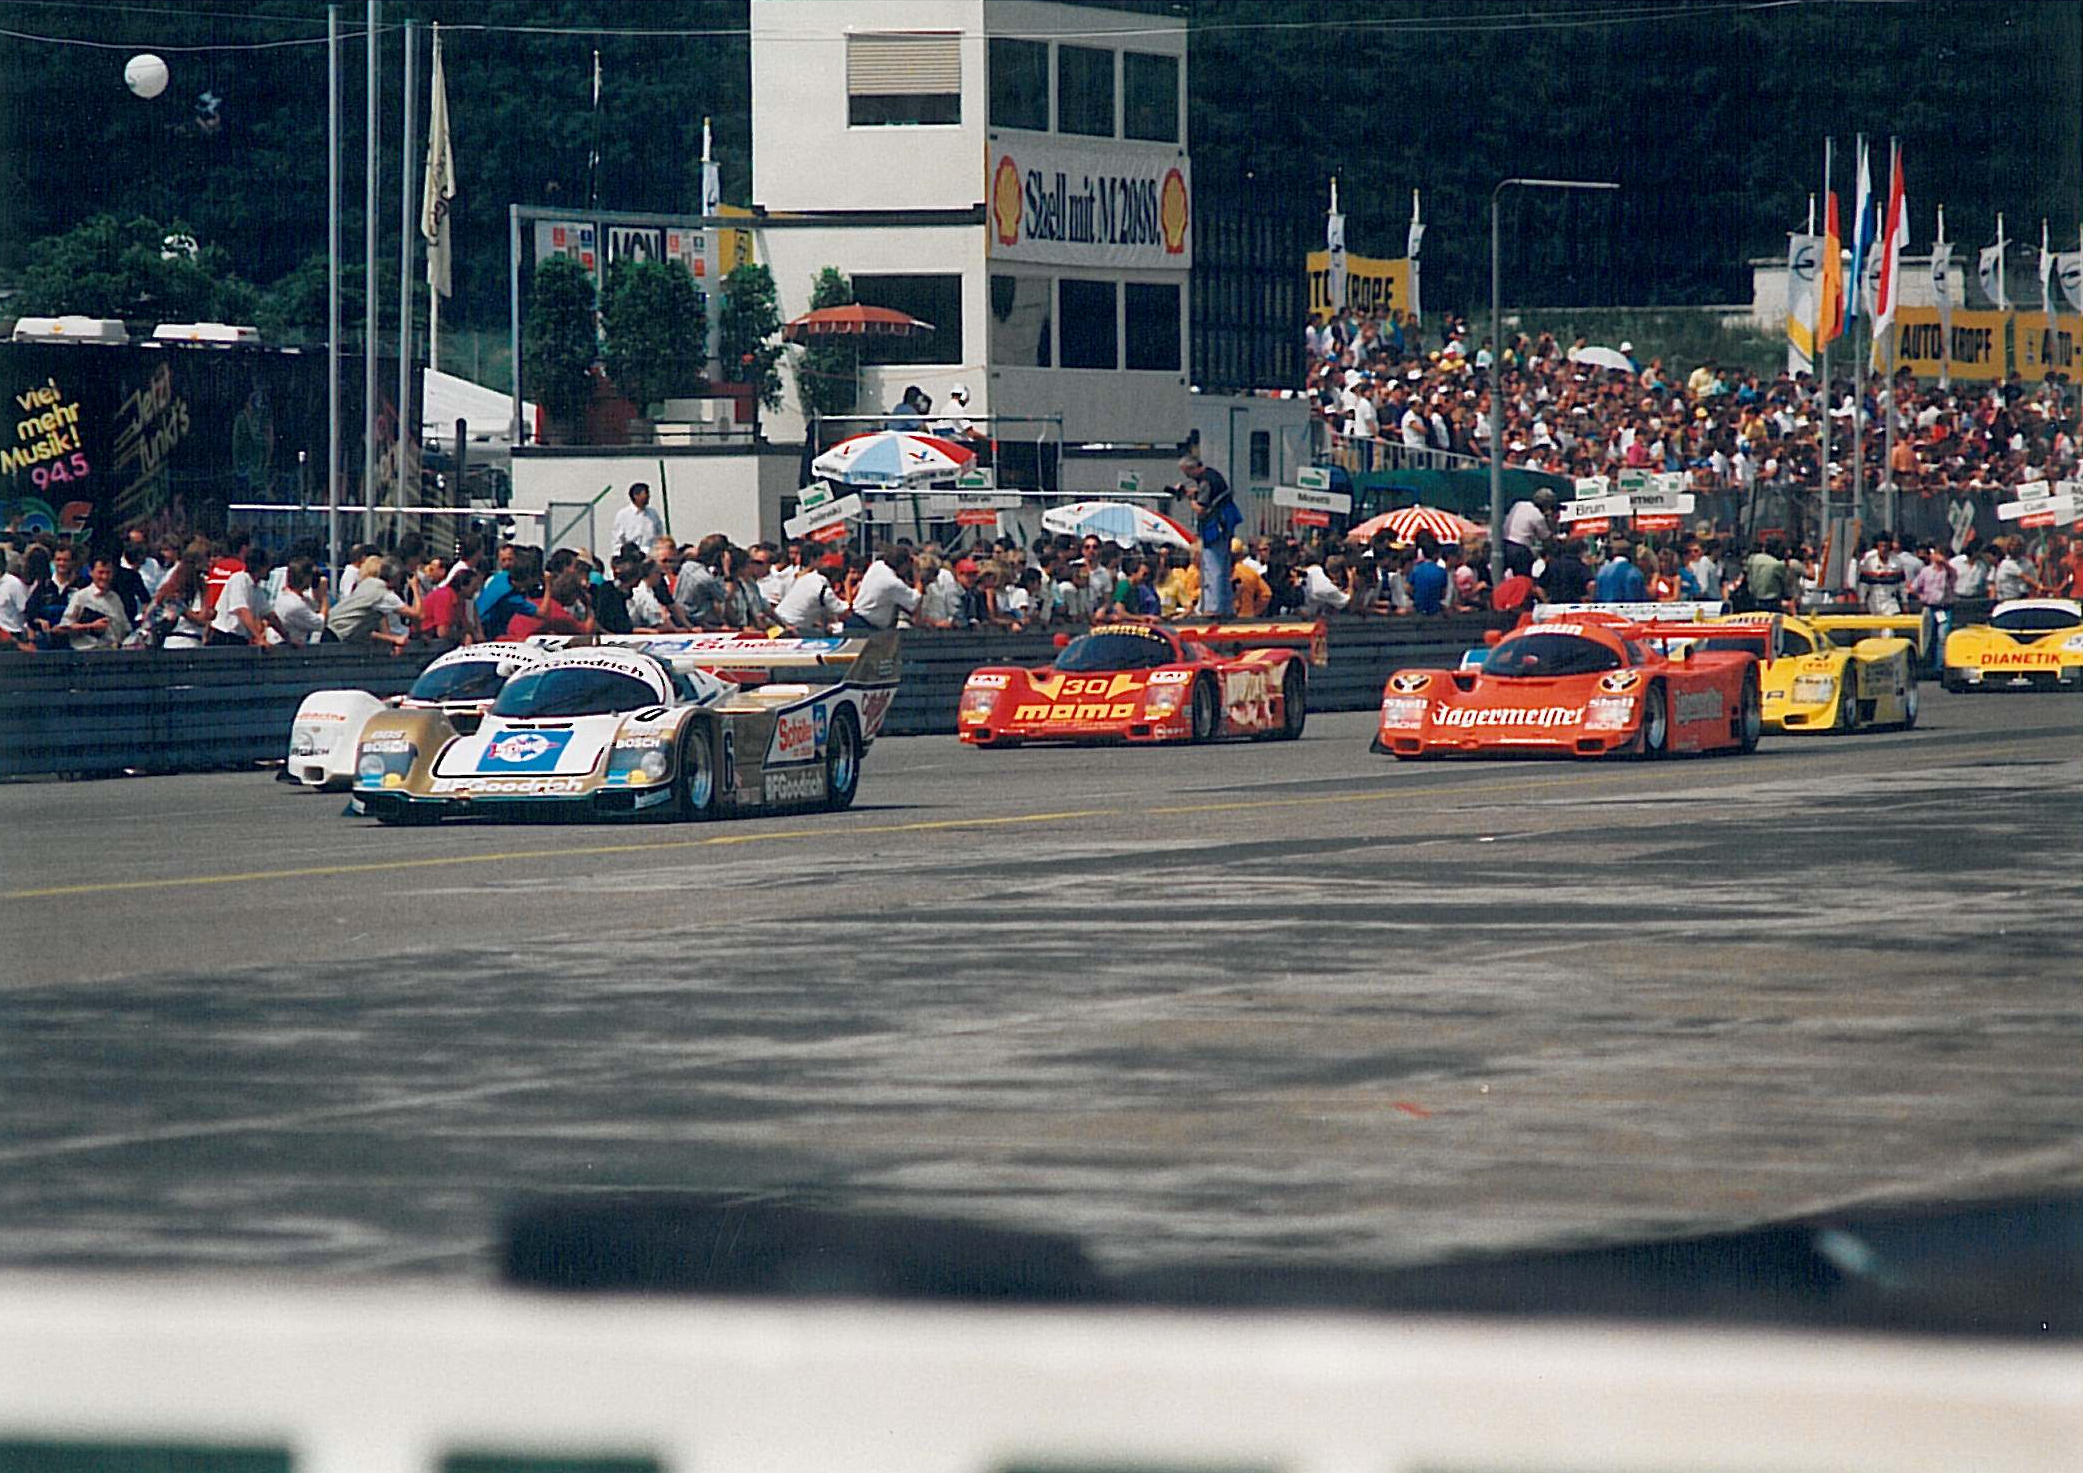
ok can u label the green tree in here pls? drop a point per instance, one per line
(656, 335)
(293, 310)
(558, 342)
(827, 373)
(746, 333)
(112, 267)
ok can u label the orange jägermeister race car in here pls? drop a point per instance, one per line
(1134, 682)
(1592, 685)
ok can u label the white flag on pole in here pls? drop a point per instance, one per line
(1990, 269)
(2069, 267)
(2046, 278)
(1334, 247)
(1412, 243)
(440, 185)
(1804, 256)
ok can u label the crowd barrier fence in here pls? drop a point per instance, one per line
(103, 712)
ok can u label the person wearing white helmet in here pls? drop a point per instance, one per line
(957, 422)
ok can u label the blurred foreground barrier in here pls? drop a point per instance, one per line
(191, 711)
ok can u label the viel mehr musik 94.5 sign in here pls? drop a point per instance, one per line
(1061, 203)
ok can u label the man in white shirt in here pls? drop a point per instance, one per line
(941, 602)
(243, 615)
(94, 616)
(885, 591)
(296, 606)
(1325, 592)
(2012, 578)
(810, 605)
(1526, 529)
(636, 524)
(14, 610)
(1417, 430)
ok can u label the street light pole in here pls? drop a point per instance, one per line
(1497, 363)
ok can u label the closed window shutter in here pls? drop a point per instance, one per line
(912, 64)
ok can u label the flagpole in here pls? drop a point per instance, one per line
(437, 94)
(1892, 264)
(1854, 284)
(370, 303)
(405, 228)
(1824, 332)
(332, 291)
(1943, 279)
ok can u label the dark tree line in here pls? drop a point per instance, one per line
(1711, 119)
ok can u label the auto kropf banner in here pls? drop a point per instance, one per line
(1058, 202)
(1979, 343)
(1371, 285)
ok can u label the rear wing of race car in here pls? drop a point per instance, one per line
(1761, 636)
(814, 660)
(1660, 613)
(1310, 635)
(1899, 626)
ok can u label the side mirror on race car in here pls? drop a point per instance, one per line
(1492, 636)
(1061, 641)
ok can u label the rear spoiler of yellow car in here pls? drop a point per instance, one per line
(1260, 634)
(1901, 626)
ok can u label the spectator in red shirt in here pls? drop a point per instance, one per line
(449, 611)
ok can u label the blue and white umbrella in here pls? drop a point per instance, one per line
(893, 458)
(1116, 521)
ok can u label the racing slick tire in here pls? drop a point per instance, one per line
(1294, 703)
(694, 776)
(1847, 706)
(1750, 714)
(842, 760)
(407, 815)
(1656, 724)
(1206, 715)
(1909, 706)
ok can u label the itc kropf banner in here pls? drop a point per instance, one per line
(1061, 203)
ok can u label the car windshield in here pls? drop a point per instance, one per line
(572, 691)
(1551, 654)
(466, 680)
(1116, 650)
(2034, 621)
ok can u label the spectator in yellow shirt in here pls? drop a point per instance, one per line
(1179, 591)
(1254, 595)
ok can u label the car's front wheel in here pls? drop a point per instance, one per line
(1204, 711)
(1750, 713)
(1294, 701)
(1909, 706)
(1847, 705)
(1656, 723)
(694, 786)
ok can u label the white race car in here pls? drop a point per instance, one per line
(460, 684)
(690, 727)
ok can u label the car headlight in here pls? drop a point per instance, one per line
(383, 763)
(639, 761)
(1608, 713)
(2073, 644)
(1403, 711)
(1160, 701)
(303, 742)
(1813, 690)
(976, 705)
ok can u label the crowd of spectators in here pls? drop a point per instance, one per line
(1377, 382)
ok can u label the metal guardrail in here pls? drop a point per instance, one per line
(99, 713)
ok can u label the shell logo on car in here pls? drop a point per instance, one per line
(1406, 682)
(1620, 680)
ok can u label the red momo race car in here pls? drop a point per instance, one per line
(1151, 683)
(1590, 687)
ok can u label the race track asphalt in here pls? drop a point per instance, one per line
(1250, 1000)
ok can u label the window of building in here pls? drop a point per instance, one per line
(934, 299)
(1019, 84)
(1261, 455)
(903, 78)
(1153, 326)
(1022, 334)
(1091, 336)
(1150, 96)
(1085, 91)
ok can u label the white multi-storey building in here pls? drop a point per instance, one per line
(1014, 172)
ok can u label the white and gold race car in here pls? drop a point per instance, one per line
(693, 727)
(2028, 643)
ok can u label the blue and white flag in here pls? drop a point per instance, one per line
(1862, 239)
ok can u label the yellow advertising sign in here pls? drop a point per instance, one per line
(1371, 286)
(1978, 349)
(2036, 352)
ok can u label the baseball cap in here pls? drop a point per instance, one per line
(966, 565)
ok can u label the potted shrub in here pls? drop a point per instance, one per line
(748, 344)
(559, 344)
(652, 318)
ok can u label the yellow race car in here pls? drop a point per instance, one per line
(1818, 676)
(2028, 643)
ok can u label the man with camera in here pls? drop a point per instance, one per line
(1215, 518)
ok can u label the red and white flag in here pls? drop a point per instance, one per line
(1894, 237)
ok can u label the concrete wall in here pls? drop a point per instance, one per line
(736, 491)
(1768, 287)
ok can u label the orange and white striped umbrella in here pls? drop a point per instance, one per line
(1405, 522)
